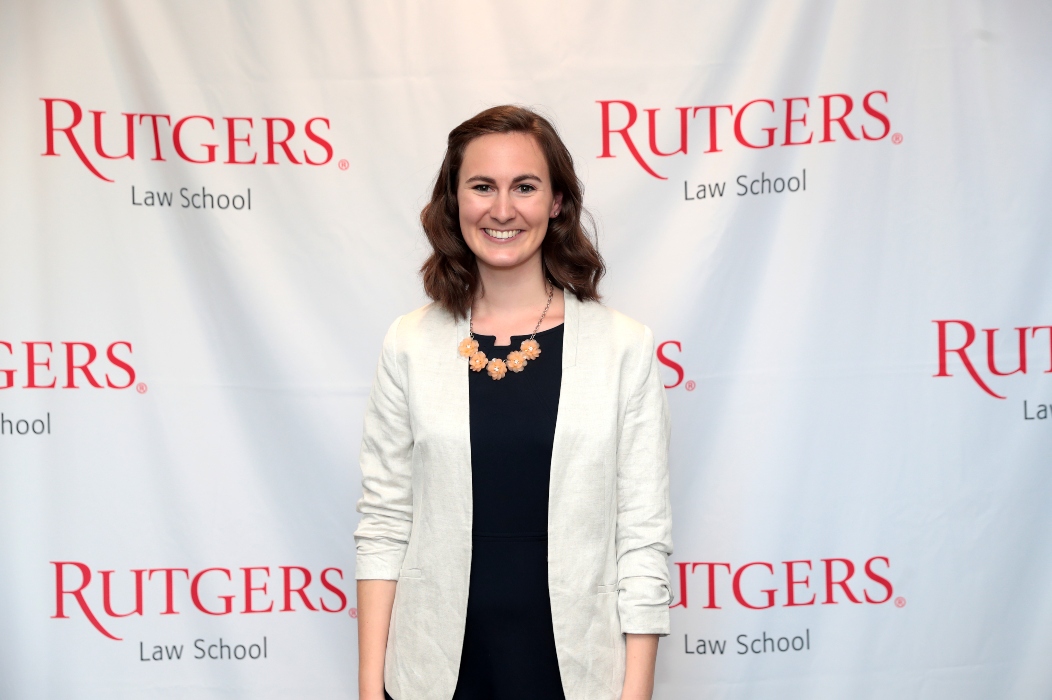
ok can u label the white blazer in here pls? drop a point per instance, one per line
(609, 517)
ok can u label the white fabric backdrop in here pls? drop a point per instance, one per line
(809, 423)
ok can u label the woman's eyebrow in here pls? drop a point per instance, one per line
(490, 181)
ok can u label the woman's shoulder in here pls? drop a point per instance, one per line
(421, 325)
(429, 314)
(617, 342)
(598, 319)
(611, 338)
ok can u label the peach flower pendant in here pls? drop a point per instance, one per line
(530, 349)
(496, 368)
(516, 361)
(468, 347)
(477, 362)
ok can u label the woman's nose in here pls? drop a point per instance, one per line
(502, 207)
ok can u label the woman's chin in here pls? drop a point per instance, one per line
(512, 255)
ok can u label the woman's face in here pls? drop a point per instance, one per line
(505, 198)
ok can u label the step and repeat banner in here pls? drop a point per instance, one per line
(834, 216)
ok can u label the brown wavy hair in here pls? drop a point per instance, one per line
(569, 257)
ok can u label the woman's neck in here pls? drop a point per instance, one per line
(512, 299)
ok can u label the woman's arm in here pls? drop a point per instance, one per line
(386, 505)
(375, 600)
(640, 657)
(644, 512)
(644, 524)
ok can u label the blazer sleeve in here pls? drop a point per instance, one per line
(644, 512)
(386, 504)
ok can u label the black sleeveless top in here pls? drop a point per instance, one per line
(509, 648)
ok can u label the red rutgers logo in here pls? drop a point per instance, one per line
(760, 585)
(757, 124)
(42, 364)
(195, 138)
(662, 355)
(956, 338)
(243, 590)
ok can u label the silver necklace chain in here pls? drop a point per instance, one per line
(551, 292)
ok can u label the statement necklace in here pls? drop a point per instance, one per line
(530, 349)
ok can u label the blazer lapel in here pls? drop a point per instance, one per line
(569, 407)
(571, 324)
(460, 408)
(444, 400)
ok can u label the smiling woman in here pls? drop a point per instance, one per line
(506, 166)
(515, 523)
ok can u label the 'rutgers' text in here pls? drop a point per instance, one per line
(195, 138)
(757, 124)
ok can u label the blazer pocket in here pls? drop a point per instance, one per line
(607, 588)
(410, 573)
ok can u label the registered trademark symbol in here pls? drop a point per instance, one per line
(353, 612)
(900, 602)
(141, 388)
(690, 385)
(343, 164)
(896, 138)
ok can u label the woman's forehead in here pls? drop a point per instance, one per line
(499, 156)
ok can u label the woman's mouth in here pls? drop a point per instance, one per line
(502, 235)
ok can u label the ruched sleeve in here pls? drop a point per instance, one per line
(386, 504)
(644, 513)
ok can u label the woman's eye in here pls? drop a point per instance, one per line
(524, 188)
(481, 188)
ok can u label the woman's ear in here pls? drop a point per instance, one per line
(557, 205)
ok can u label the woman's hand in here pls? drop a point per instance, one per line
(640, 658)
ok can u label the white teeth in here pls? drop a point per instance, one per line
(501, 235)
